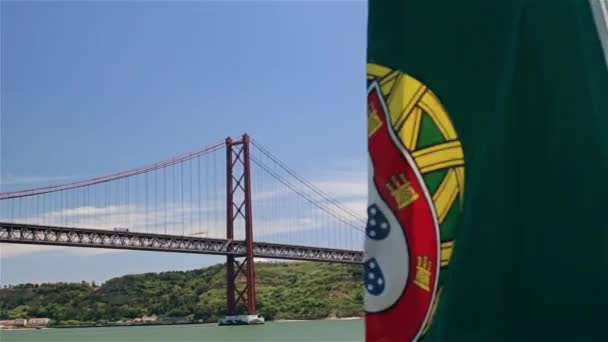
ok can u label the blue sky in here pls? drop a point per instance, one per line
(92, 88)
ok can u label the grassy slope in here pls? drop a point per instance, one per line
(292, 290)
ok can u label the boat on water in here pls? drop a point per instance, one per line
(242, 320)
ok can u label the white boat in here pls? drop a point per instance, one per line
(242, 320)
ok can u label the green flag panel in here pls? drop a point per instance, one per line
(524, 86)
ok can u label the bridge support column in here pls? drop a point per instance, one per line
(239, 215)
(230, 275)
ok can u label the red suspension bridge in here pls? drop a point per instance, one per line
(233, 198)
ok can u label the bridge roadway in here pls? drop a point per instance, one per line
(97, 238)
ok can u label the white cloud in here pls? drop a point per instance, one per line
(86, 211)
(356, 205)
(344, 188)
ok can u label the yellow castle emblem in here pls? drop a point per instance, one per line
(423, 272)
(401, 190)
(373, 120)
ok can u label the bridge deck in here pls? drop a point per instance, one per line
(96, 238)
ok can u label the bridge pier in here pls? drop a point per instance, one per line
(239, 212)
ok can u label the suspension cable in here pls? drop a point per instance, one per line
(301, 194)
(314, 188)
(111, 177)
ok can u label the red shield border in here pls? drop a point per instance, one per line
(404, 320)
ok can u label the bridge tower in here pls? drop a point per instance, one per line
(239, 214)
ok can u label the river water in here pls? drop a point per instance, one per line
(327, 331)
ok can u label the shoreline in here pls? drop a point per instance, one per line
(320, 319)
(23, 329)
(174, 324)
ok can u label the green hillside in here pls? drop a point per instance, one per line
(288, 290)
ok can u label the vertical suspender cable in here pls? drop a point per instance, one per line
(198, 161)
(165, 196)
(182, 195)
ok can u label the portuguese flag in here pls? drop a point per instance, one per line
(488, 171)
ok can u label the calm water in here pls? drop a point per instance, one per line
(284, 332)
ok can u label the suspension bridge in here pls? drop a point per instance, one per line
(232, 198)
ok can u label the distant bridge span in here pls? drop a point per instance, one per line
(97, 238)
